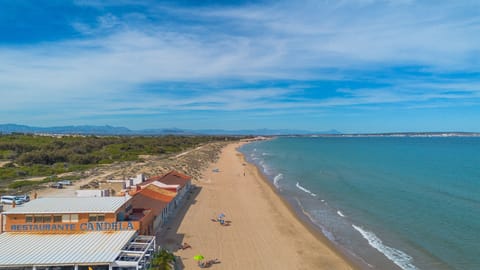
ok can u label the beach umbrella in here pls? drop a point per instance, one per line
(198, 257)
(222, 215)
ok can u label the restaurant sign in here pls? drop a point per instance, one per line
(88, 226)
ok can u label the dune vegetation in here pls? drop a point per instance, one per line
(23, 156)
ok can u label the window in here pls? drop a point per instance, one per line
(57, 219)
(38, 219)
(96, 217)
(74, 218)
(70, 218)
(65, 218)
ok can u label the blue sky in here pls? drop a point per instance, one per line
(354, 66)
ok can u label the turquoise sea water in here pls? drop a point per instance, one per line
(406, 202)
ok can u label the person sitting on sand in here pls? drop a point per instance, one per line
(210, 262)
(185, 246)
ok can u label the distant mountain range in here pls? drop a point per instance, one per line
(110, 130)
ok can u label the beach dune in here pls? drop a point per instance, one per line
(260, 232)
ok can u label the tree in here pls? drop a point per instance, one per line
(163, 260)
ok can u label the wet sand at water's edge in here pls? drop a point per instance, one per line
(261, 232)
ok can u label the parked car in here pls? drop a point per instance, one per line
(10, 199)
(25, 198)
(56, 185)
(65, 182)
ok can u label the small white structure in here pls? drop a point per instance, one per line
(125, 183)
(128, 183)
(93, 193)
(140, 178)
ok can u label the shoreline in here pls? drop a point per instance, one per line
(354, 262)
(263, 231)
(281, 240)
(294, 206)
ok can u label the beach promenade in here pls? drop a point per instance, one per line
(261, 231)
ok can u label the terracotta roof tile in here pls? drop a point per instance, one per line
(170, 178)
(155, 192)
(153, 198)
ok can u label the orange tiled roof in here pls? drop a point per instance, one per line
(153, 198)
(170, 178)
(158, 193)
(141, 201)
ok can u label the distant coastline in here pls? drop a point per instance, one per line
(398, 134)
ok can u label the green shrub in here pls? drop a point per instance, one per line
(19, 184)
(162, 260)
(48, 155)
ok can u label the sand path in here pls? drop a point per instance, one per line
(262, 234)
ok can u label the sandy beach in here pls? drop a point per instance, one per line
(262, 232)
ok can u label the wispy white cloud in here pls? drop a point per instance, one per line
(299, 41)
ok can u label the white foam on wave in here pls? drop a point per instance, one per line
(265, 167)
(400, 258)
(276, 179)
(340, 213)
(305, 190)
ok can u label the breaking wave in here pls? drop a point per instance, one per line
(400, 258)
(305, 190)
(276, 179)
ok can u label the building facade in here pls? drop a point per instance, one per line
(70, 215)
(184, 183)
(74, 233)
(90, 233)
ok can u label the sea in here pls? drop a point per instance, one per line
(387, 202)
